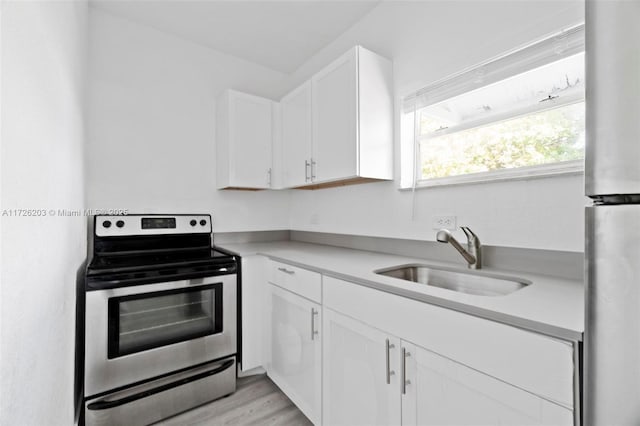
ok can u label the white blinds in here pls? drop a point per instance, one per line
(537, 54)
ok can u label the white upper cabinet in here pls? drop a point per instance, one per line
(244, 133)
(296, 136)
(338, 126)
(335, 120)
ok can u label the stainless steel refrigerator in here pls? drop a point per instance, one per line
(612, 180)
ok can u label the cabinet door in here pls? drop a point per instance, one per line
(296, 350)
(296, 136)
(539, 364)
(443, 392)
(360, 373)
(254, 284)
(250, 138)
(334, 99)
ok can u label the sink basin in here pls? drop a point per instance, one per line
(477, 283)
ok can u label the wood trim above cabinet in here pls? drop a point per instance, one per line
(239, 188)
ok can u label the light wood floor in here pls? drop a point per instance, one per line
(257, 401)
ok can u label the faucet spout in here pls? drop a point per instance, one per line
(472, 254)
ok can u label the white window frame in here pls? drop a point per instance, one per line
(546, 50)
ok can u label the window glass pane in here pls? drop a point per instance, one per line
(520, 110)
(545, 137)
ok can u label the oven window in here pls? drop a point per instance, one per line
(144, 321)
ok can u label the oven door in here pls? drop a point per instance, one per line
(137, 333)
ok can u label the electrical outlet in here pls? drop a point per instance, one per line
(444, 222)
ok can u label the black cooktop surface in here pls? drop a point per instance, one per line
(142, 260)
(127, 269)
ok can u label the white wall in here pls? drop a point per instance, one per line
(43, 89)
(427, 41)
(152, 126)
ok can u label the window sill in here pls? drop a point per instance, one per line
(521, 173)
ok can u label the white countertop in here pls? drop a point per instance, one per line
(550, 305)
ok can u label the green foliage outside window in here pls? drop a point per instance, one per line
(550, 136)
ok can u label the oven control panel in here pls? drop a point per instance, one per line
(152, 224)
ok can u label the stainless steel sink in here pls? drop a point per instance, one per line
(477, 283)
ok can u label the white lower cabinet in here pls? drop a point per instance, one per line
(360, 373)
(440, 391)
(373, 378)
(253, 296)
(295, 349)
(364, 357)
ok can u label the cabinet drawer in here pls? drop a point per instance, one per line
(297, 280)
(539, 364)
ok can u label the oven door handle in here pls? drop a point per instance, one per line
(106, 404)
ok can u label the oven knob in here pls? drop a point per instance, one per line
(120, 223)
(106, 223)
(203, 222)
(193, 222)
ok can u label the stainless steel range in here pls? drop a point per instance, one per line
(161, 321)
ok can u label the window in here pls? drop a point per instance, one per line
(520, 115)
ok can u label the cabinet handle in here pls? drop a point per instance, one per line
(269, 176)
(286, 271)
(313, 170)
(314, 332)
(389, 372)
(306, 170)
(404, 382)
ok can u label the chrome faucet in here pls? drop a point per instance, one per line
(473, 254)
